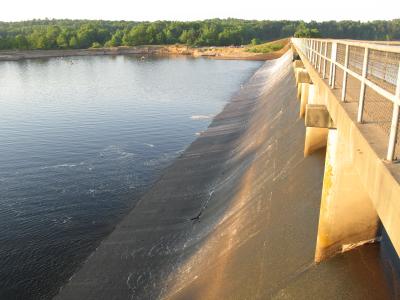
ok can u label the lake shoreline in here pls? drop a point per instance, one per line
(223, 53)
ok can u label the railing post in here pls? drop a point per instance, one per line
(319, 57)
(312, 52)
(395, 122)
(333, 65)
(305, 42)
(362, 89)
(346, 65)
(324, 65)
(316, 54)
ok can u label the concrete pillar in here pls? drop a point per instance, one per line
(302, 76)
(347, 216)
(316, 138)
(298, 64)
(307, 89)
(299, 87)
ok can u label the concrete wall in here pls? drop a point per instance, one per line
(347, 217)
(359, 164)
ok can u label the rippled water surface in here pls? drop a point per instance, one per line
(80, 140)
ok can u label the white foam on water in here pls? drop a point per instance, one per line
(149, 145)
(201, 117)
(65, 165)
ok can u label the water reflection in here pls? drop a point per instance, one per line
(80, 140)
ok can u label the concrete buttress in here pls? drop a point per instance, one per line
(347, 215)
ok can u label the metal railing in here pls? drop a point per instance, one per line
(363, 72)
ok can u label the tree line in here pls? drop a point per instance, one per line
(81, 34)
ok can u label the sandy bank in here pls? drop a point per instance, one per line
(238, 53)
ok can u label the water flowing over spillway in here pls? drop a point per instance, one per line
(235, 216)
(81, 139)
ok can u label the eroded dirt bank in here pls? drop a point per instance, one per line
(234, 217)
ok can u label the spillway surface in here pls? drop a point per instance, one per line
(234, 217)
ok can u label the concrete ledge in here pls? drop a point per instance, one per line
(317, 115)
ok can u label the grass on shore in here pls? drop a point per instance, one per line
(268, 47)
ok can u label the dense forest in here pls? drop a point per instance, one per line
(78, 34)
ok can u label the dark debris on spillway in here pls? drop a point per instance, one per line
(234, 217)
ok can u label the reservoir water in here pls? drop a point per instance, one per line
(80, 140)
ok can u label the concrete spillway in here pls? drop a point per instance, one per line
(235, 217)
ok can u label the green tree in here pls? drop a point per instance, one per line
(52, 33)
(188, 37)
(56, 34)
(86, 36)
(255, 41)
(136, 36)
(116, 39)
(62, 40)
(230, 36)
(73, 43)
(21, 42)
(303, 31)
(209, 35)
(96, 45)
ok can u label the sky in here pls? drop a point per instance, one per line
(151, 10)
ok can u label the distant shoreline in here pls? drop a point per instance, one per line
(226, 53)
(15, 55)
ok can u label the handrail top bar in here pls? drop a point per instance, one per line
(373, 45)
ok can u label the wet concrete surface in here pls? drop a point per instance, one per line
(235, 217)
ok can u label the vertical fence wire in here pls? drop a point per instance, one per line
(340, 57)
(353, 89)
(383, 69)
(356, 58)
(328, 54)
(377, 110)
